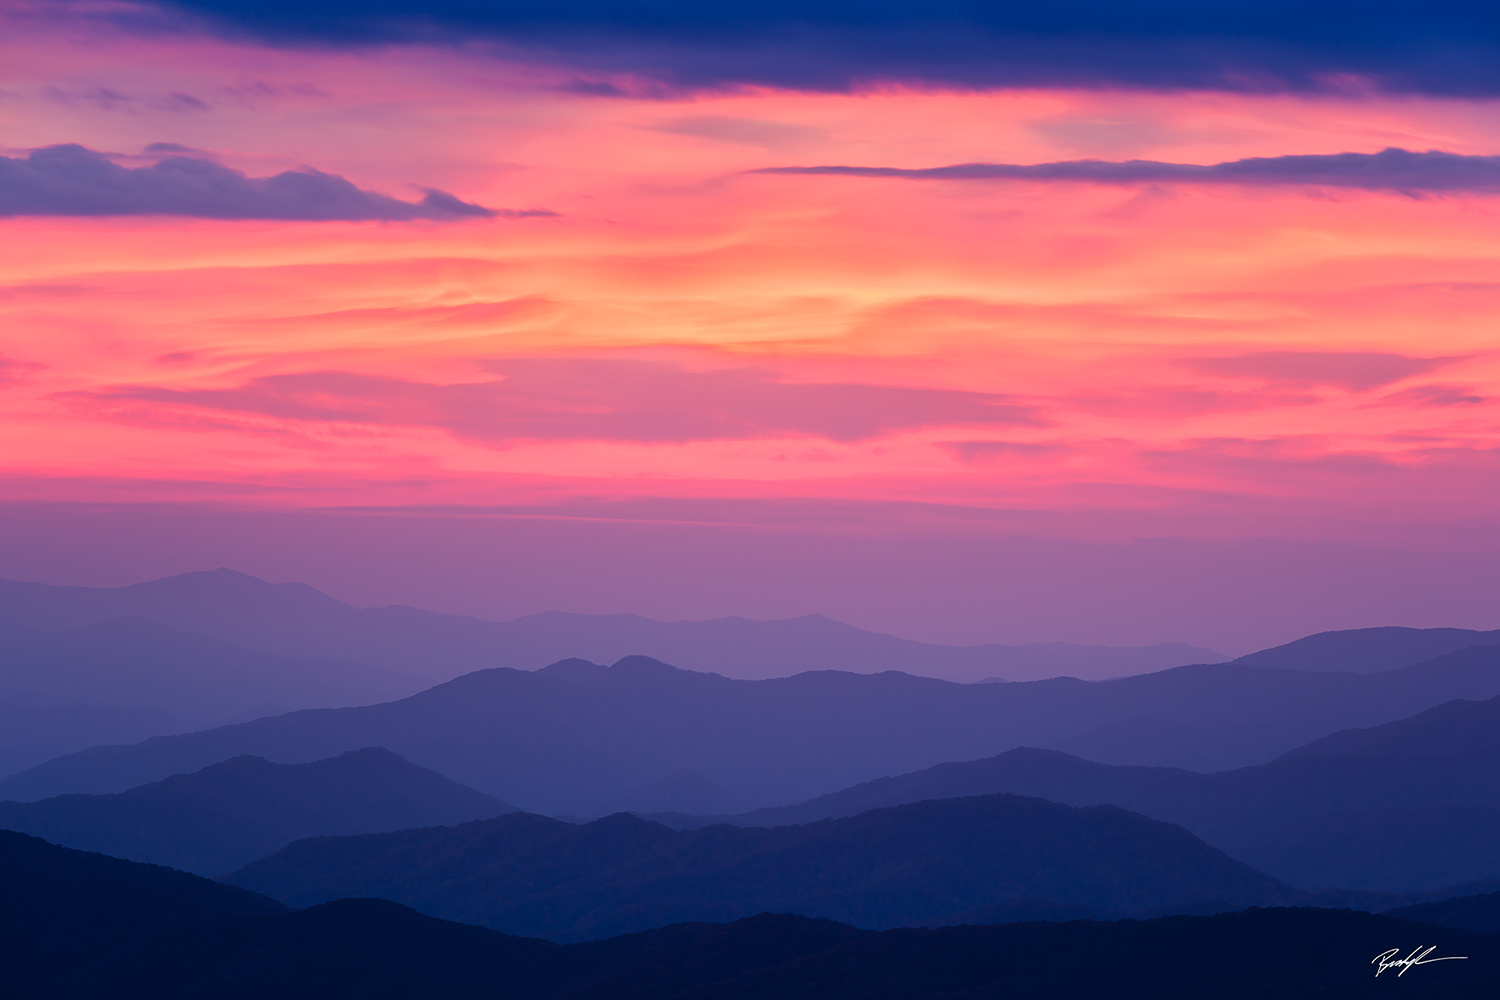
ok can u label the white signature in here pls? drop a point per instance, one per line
(1388, 960)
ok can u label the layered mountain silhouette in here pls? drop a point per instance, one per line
(91, 665)
(94, 666)
(227, 815)
(575, 737)
(1410, 805)
(298, 621)
(533, 876)
(92, 928)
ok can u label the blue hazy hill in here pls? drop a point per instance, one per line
(227, 815)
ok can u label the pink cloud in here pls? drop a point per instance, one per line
(989, 451)
(1433, 395)
(1308, 467)
(600, 400)
(1183, 401)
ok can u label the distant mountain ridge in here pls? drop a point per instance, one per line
(298, 621)
(295, 620)
(85, 666)
(221, 818)
(1412, 804)
(198, 677)
(572, 738)
(536, 877)
(90, 666)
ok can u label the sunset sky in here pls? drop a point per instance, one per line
(621, 307)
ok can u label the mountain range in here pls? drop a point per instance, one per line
(87, 666)
(91, 665)
(1409, 805)
(297, 621)
(580, 739)
(300, 622)
(1400, 806)
(227, 815)
(86, 927)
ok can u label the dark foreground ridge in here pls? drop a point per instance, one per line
(87, 927)
(374, 949)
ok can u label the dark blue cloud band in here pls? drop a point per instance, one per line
(1442, 46)
(72, 180)
(1387, 170)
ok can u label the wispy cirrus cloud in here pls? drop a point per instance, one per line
(1430, 172)
(991, 451)
(71, 180)
(596, 399)
(1356, 371)
(1434, 395)
(1313, 465)
(1183, 401)
(770, 135)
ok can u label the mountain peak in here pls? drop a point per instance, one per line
(1368, 650)
(637, 664)
(573, 668)
(231, 583)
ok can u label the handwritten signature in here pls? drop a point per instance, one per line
(1389, 960)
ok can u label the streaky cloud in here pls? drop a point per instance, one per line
(563, 399)
(1434, 395)
(13, 371)
(1390, 169)
(988, 451)
(1355, 371)
(71, 180)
